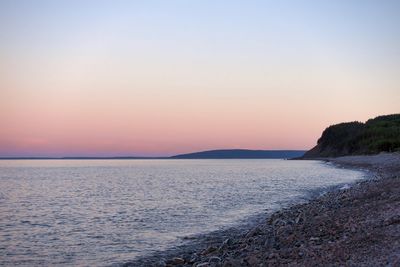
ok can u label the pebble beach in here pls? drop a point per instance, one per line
(357, 225)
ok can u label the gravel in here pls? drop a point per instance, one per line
(353, 226)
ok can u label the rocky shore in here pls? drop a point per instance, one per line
(355, 226)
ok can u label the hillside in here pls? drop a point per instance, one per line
(355, 138)
(242, 154)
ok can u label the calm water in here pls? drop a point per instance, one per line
(103, 212)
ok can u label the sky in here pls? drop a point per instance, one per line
(157, 78)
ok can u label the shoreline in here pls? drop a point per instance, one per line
(332, 229)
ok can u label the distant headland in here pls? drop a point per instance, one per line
(380, 134)
(242, 154)
(210, 154)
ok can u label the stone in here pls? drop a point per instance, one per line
(194, 258)
(284, 231)
(252, 260)
(278, 222)
(214, 260)
(208, 250)
(227, 243)
(299, 219)
(161, 263)
(231, 263)
(392, 220)
(177, 261)
(272, 255)
(269, 242)
(253, 232)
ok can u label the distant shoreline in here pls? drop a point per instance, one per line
(79, 158)
(209, 154)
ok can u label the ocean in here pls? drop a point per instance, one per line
(107, 212)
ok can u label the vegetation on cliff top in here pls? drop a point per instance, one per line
(354, 138)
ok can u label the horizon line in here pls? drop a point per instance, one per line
(145, 157)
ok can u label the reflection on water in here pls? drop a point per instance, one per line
(100, 212)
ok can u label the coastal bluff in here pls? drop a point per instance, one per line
(380, 134)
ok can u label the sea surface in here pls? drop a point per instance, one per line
(107, 212)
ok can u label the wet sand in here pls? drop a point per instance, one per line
(355, 226)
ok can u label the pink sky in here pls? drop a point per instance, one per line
(100, 82)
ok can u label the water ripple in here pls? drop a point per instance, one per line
(71, 212)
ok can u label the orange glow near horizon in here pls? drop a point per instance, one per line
(104, 82)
